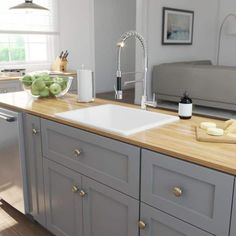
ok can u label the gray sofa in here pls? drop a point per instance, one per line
(207, 85)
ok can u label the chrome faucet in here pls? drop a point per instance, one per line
(118, 88)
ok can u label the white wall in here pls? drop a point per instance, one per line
(204, 38)
(228, 46)
(112, 18)
(76, 32)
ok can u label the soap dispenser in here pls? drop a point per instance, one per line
(185, 107)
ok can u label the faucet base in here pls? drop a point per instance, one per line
(119, 95)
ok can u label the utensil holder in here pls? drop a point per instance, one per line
(60, 65)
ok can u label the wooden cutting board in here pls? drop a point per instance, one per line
(202, 136)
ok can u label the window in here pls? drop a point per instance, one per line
(28, 37)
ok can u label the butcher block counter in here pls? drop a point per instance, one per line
(177, 140)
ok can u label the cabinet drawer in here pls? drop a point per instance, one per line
(111, 162)
(192, 193)
(161, 224)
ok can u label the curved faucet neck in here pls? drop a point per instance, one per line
(121, 44)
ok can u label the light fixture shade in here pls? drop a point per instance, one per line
(29, 5)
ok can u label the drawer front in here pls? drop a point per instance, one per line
(110, 162)
(192, 193)
(160, 224)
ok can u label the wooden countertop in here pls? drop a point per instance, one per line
(176, 139)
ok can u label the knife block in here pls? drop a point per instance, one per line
(60, 65)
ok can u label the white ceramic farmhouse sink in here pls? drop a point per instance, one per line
(118, 119)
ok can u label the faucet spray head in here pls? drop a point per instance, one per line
(121, 44)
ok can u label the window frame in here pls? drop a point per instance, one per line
(52, 44)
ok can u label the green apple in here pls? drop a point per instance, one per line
(47, 80)
(58, 80)
(45, 92)
(27, 80)
(55, 89)
(38, 84)
(35, 92)
(61, 81)
(63, 85)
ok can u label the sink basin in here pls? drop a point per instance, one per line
(118, 119)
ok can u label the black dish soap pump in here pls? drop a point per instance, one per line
(185, 107)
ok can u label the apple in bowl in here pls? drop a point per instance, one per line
(44, 85)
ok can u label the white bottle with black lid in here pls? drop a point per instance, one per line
(185, 107)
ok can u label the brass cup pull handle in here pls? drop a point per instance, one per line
(35, 131)
(177, 191)
(82, 193)
(141, 224)
(77, 152)
(75, 189)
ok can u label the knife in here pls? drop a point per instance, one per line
(64, 55)
(61, 55)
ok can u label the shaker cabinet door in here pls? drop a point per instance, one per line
(108, 212)
(63, 201)
(34, 168)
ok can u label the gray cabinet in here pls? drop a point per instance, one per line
(82, 184)
(108, 212)
(157, 223)
(197, 195)
(77, 205)
(233, 218)
(110, 162)
(8, 86)
(73, 88)
(63, 202)
(34, 164)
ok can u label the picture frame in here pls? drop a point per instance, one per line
(177, 26)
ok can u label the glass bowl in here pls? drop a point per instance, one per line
(46, 85)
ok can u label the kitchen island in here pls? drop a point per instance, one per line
(156, 181)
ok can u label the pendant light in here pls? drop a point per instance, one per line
(29, 5)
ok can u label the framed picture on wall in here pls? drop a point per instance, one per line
(177, 27)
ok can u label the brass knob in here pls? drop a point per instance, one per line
(141, 224)
(77, 152)
(82, 193)
(35, 131)
(75, 189)
(177, 191)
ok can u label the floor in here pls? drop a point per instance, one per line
(13, 223)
